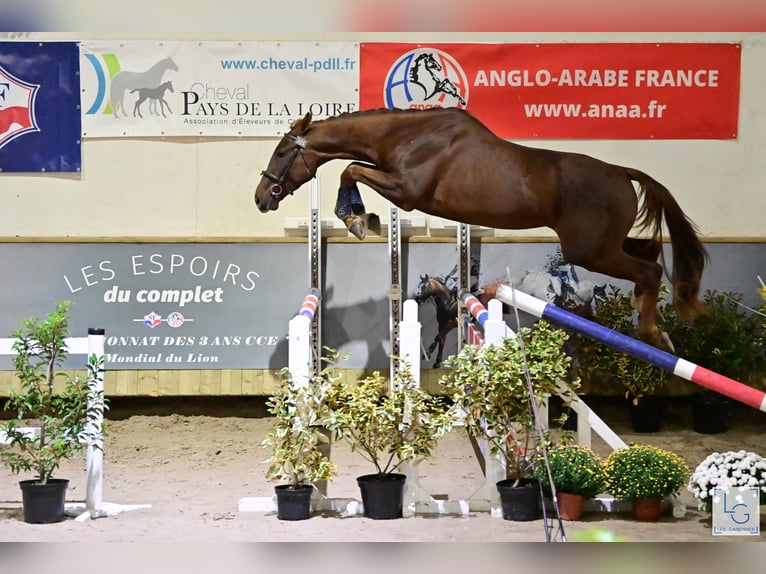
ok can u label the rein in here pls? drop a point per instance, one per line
(277, 191)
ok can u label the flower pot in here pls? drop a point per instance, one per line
(520, 503)
(43, 503)
(647, 509)
(569, 505)
(648, 415)
(382, 495)
(711, 413)
(293, 503)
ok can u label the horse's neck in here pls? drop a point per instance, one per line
(157, 70)
(353, 138)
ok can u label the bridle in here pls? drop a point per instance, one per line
(277, 191)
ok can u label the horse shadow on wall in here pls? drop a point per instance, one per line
(360, 330)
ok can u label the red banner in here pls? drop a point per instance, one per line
(552, 91)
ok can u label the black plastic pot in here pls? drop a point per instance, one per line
(520, 503)
(382, 495)
(711, 413)
(43, 503)
(648, 415)
(293, 503)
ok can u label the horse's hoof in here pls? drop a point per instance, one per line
(358, 229)
(373, 222)
(666, 343)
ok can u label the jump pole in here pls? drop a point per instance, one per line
(675, 365)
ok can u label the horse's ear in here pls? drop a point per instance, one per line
(302, 124)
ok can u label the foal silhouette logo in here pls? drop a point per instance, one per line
(119, 83)
(17, 107)
(426, 78)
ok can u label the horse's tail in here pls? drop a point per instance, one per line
(689, 255)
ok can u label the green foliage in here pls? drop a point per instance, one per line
(300, 410)
(642, 471)
(638, 377)
(489, 383)
(575, 469)
(65, 419)
(386, 427)
(727, 338)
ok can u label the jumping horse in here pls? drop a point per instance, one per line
(444, 162)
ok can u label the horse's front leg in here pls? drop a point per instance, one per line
(349, 207)
(439, 354)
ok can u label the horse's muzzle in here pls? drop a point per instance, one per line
(266, 203)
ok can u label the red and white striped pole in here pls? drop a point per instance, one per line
(680, 367)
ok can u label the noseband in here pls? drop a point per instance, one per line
(277, 192)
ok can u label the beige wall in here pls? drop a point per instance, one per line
(203, 189)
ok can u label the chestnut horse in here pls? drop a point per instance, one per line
(446, 163)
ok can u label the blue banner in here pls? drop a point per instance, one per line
(40, 120)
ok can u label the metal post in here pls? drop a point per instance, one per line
(315, 277)
(395, 292)
(463, 277)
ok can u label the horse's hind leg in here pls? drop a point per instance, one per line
(649, 250)
(645, 274)
(646, 249)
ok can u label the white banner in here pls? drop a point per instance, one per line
(217, 89)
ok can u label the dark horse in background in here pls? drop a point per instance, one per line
(445, 299)
(446, 163)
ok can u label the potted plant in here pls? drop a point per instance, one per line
(387, 428)
(299, 410)
(725, 470)
(53, 420)
(577, 473)
(490, 385)
(644, 475)
(639, 379)
(726, 339)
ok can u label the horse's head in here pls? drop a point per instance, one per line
(169, 64)
(425, 290)
(284, 174)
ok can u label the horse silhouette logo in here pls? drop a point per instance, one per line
(156, 96)
(17, 107)
(426, 78)
(114, 83)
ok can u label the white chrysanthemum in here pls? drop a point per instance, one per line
(727, 470)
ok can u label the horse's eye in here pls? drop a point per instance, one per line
(280, 154)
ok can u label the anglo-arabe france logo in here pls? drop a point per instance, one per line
(426, 78)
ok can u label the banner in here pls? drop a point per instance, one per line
(225, 89)
(39, 107)
(586, 91)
